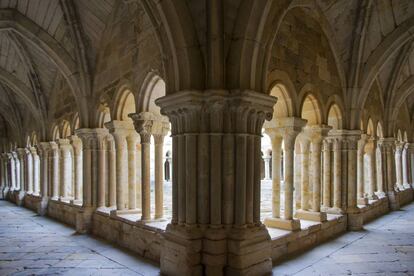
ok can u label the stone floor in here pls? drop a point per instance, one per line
(30, 244)
(34, 245)
(385, 247)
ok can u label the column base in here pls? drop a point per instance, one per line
(335, 211)
(372, 197)
(42, 206)
(362, 201)
(355, 220)
(285, 224)
(181, 251)
(84, 220)
(311, 215)
(394, 201)
(125, 212)
(407, 186)
(76, 202)
(249, 251)
(20, 198)
(64, 199)
(380, 194)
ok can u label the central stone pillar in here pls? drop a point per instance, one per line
(287, 129)
(216, 141)
(93, 142)
(315, 134)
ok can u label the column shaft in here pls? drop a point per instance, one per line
(326, 174)
(337, 174)
(159, 179)
(316, 174)
(146, 177)
(276, 155)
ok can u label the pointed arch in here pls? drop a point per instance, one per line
(311, 110)
(335, 119)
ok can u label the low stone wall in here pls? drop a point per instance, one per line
(62, 211)
(298, 241)
(375, 209)
(141, 239)
(406, 196)
(32, 202)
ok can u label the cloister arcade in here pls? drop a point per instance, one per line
(212, 137)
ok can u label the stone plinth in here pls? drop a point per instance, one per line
(285, 224)
(311, 215)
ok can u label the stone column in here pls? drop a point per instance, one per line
(411, 156)
(159, 170)
(405, 175)
(372, 180)
(18, 170)
(93, 141)
(276, 141)
(337, 173)
(144, 125)
(120, 130)
(388, 145)
(399, 165)
(3, 174)
(216, 141)
(315, 134)
(132, 140)
(55, 170)
(112, 174)
(36, 171)
(362, 199)
(102, 173)
(29, 171)
(44, 176)
(326, 175)
(78, 168)
(267, 167)
(379, 169)
(65, 169)
(288, 129)
(15, 171)
(337, 137)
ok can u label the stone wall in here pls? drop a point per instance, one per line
(145, 241)
(296, 242)
(62, 212)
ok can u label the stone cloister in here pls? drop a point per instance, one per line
(213, 137)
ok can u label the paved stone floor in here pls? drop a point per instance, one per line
(34, 245)
(385, 247)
